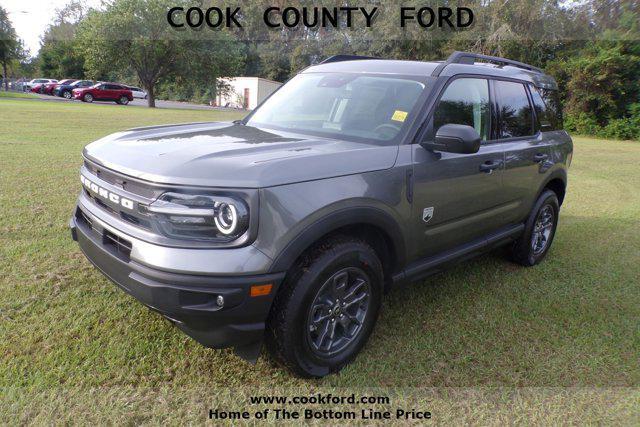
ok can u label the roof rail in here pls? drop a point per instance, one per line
(458, 57)
(341, 58)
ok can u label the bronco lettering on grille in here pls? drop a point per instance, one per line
(105, 194)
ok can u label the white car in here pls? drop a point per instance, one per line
(137, 92)
(31, 83)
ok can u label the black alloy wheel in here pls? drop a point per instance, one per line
(540, 238)
(536, 239)
(338, 311)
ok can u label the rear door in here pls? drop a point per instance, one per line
(112, 92)
(458, 197)
(527, 151)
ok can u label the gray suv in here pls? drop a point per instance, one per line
(358, 175)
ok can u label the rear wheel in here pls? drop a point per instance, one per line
(87, 97)
(123, 100)
(327, 307)
(540, 228)
(66, 94)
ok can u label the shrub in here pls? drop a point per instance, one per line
(582, 123)
(625, 128)
(622, 128)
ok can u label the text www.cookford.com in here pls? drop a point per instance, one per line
(320, 399)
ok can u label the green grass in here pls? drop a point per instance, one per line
(24, 95)
(481, 343)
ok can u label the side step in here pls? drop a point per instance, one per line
(434, 264)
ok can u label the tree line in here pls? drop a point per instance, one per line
(591, 47)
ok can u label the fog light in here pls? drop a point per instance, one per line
(220, 300)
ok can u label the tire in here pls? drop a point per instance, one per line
(87, 97)
(540, 229)
(66, 94)
(294, 328)
(123, 100)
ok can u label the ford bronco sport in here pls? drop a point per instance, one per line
(357, 175)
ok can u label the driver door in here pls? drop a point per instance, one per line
(458, 197)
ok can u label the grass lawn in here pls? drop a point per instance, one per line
(24, 95)
(481, 343)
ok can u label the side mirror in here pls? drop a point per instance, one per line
(461, 139)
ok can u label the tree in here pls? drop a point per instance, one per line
(10, 46)
(134, 34)
(57, 54)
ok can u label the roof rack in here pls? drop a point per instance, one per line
(458, 57)
(341, 58)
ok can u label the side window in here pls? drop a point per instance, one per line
(465, 102)
(552, 101)
(514, 111)
(545, 117)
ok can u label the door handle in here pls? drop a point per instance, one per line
(540, 157)
(490, 165)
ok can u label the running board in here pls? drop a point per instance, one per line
(434, 264)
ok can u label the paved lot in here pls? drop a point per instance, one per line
(143, 103)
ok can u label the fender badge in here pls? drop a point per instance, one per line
(427, 214)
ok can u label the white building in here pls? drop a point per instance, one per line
(246, 92)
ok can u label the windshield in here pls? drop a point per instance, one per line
(342, 104)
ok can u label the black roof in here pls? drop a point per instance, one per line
(509, 69)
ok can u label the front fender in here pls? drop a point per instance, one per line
(295, 216)
(339, 218)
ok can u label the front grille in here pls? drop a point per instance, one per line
(130, 185)
(115, 244)
(82, 218)
(99, 202)
(121, 246)
(135, 218)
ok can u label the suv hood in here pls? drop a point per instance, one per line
(233, 155)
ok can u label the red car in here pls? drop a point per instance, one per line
(48, 88)
(104, 92)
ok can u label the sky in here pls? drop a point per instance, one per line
(30, 18)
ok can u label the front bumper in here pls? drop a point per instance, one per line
(188, 300)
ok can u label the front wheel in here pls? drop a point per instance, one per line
(540, 228)
(326, 308)
(87, 98)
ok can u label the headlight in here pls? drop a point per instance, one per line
(200, 217)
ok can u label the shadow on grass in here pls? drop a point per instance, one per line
(566, 322)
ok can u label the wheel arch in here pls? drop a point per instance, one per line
(373, 225)
(556, 182)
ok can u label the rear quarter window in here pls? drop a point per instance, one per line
(551, 100)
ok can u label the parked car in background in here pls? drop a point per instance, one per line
(104, 92)
(18, 84)
(138, 92)
(48, 88)
(31, 83)
(66, 90)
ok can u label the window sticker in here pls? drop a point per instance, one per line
(399, 116)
